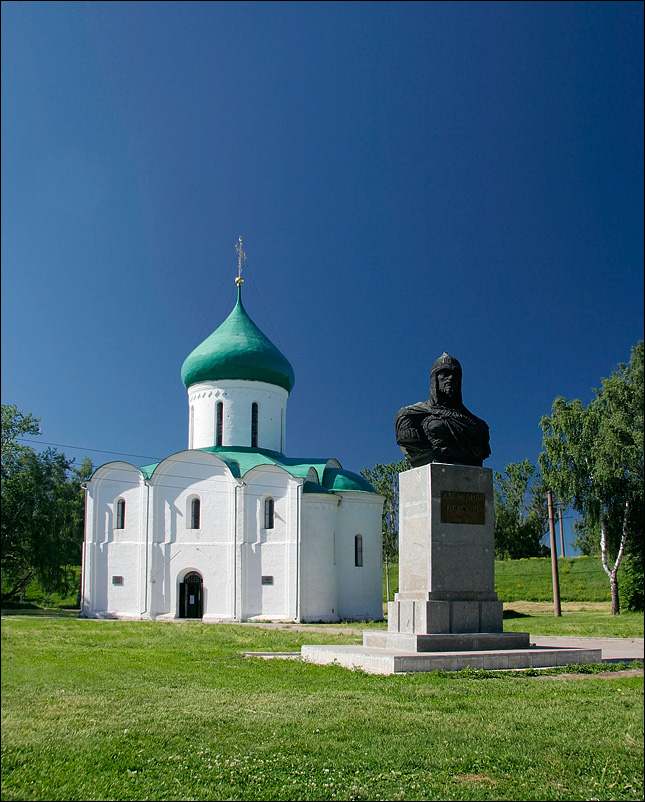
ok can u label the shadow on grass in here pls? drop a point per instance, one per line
(514, 614)
(49, 612)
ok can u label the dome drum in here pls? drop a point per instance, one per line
(222, 414)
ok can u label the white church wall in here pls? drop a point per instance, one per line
(301, 568)
(123, 567)
(237, 398)
(318, 592)
(114, 554)
(269, 553)
(177, 548)
(360, 588)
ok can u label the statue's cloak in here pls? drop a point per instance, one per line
(428, 432)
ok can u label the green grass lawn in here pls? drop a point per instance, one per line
(583, 620)
(111, 710)
(580, 579)
(593, 623)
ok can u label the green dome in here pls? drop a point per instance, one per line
(340, 479)
(238, 350)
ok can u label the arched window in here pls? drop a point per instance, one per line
(120, 514)
(195, 511)
(358, 551)
(269, 513)
(191, 426)
(219, 423)
(254, 425)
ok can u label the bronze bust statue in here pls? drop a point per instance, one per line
(441, 429)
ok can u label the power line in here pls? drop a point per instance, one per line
(96, 450)
(170, 475)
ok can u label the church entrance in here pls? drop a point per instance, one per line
(190, 596)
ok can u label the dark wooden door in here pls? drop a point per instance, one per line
(190, 596)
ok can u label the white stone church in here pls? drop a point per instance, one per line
(231, 528)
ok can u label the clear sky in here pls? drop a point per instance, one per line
(408, 179)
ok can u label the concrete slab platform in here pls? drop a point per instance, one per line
(272, 655)
(374, 660)
(448, 642)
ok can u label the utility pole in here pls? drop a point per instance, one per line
(561, 511)
(554, 560)
(387, 568)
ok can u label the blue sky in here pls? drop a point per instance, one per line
(408, 179)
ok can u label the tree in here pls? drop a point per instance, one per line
(593, 458)
(520, 512)
(385, 480)
(42, 510)
(13, 558)
(15, 424)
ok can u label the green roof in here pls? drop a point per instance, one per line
(241, 459)
(238, 350)
(312, 487)
(340, 479)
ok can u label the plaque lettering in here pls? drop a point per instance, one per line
(463, 508)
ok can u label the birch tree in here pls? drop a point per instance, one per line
(593, 458)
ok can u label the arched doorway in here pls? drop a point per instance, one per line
(190, 596)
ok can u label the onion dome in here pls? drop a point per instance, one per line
(238, 350)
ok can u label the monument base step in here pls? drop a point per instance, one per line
(447, 642)
(374, 660)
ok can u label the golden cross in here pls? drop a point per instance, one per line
(241, 256)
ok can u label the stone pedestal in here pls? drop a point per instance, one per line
(446, 552)
(446, 564)
(446, 615)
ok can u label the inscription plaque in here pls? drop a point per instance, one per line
(463, 508)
